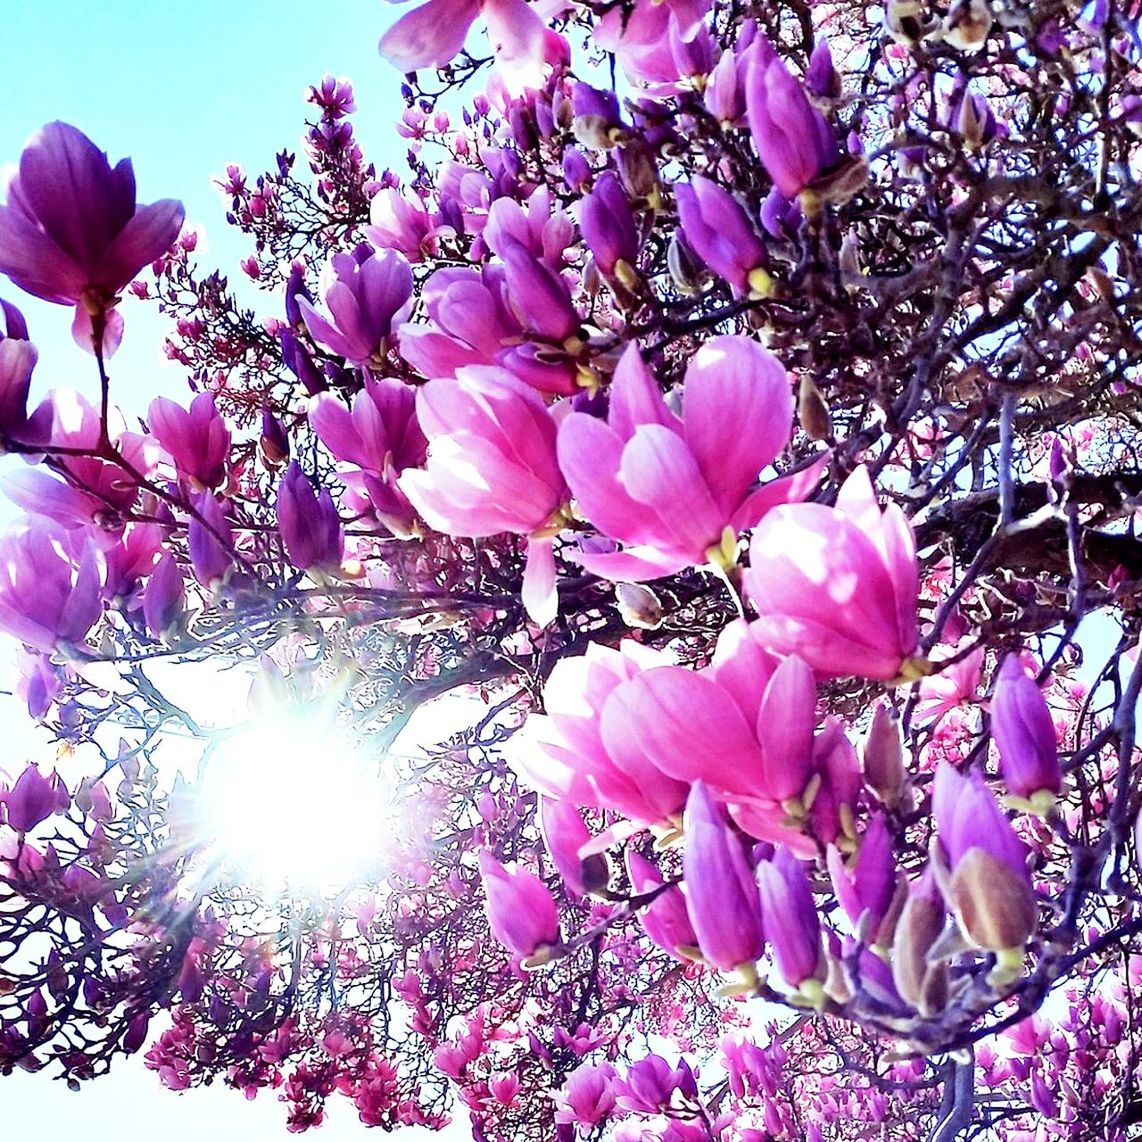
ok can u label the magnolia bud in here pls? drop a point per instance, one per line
(994, 905)
(812, 410)
(883, 757)
(921, 983)
(687, 274)
(967, 24)
(638, 605)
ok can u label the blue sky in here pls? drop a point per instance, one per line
(182, 89)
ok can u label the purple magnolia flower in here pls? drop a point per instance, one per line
(677, 490)
(309, 524)
(374, 441)
(211, 543)
(587, 1096)
(521, 910)
(871, 883)
(33, 799)
(368, 293)
(608, 227)
(197, 440)
(164, 598)
(17, 360)
(48, 599)
(564, 835)
(790, 918)
(399, 223)
(1024, 733)
(721, 895)
(719, 231)
(793, 139)
(71, 232)
(665, 919)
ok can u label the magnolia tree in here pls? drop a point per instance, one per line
(658, 531)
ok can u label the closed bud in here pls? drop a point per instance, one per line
(994, 904)
(812, 411)
(637, 172)
(883, 757)
(638, 605)
(686, 272)
(919, 981)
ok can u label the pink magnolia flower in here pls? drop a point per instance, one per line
(564, 755)
(587, 1096)
(400, 223)
(665, 919)
(368, 293)
(491, 468)
(71, 232)
(432, 34)
(96, 490)
(521, 910)
(198, 440)
(950, 687)
(676, 490)
(374, 441)
(838, 586)
(719, 231)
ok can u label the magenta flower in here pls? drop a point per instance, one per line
(793, 139)
(198, 440)
(838, 586)
(868, 887)
(211, 543)
(719, 231)
(564, 835)
(665, 919)
(368, 293)
(566, 756)
(491, 468)
(164, 598)
(676, 490)
(71, 233)
(399, 223)
(609, 230)
(309, 524)
(374, 441)
(1024, 733)
(521, 910)
(48, 599)
(432, 34)
(33, 799)
(721, 895)
(17, 360)
(587, 1096)
(791, 921)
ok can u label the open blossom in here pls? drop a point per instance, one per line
(433, 33)
(565, 754)
(491, 468)
(677, 490)
(838, 586)
(367, 294)
(374, 441)
(71, 233)
(48, 598)
(400, 223)
(198, 440)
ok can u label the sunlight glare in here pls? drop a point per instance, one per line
(295, 806)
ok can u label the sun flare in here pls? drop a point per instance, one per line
(295, 806)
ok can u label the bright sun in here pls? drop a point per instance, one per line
(294, 806)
